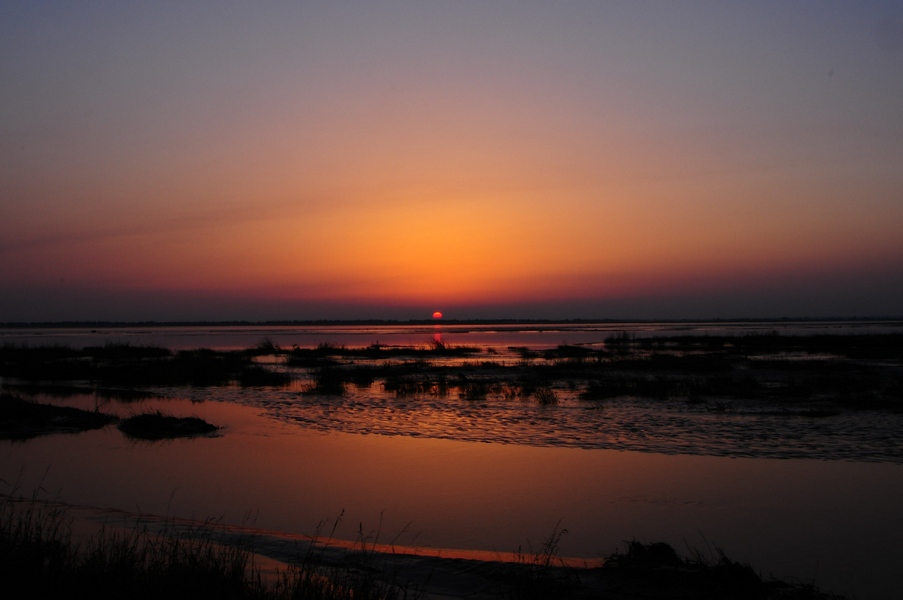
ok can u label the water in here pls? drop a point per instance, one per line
(499, 337)
(814, 499)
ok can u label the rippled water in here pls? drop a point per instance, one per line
(730, 428)
(832, 518)
(749, 429)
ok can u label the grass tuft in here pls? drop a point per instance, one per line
(22, 419)
(160, 426)
(41, 558)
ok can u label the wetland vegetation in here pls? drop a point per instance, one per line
(819, 371)
(811, 383)
(22, 419)
(150, 558)
(756, 394)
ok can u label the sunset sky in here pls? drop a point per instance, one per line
(302, 160)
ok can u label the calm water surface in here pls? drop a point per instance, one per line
(500, 337)
(498, 477)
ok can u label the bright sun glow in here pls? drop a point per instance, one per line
(437, 315)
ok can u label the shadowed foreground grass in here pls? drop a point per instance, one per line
(40, 557)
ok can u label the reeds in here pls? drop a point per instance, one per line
(151, 558)
(834, 371)
(40, 558)
(327, 381)
(541, 572)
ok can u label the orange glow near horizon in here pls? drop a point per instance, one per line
(456, 251)
(281, 167)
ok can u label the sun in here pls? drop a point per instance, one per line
(437, 315)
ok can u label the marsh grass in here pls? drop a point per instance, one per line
(545, 396)
(326, 353)
(264, 347)
(21, 419)
(406, 385)
(159, 426)
(41, 557)
(474, 390)
(150, 558)
(541, 572)
(258, 375)
(711, 576)
(124, 350)
(327, 381)
(706, 574)
(822, 372)
(127, 366)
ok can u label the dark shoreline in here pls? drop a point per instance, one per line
(396, 322)
(148, 556)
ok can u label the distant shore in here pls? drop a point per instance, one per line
(444, 321)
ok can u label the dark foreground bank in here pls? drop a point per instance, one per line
(41, 557)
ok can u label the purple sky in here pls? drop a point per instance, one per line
(287, 160)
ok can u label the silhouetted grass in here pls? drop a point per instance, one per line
(124, 351)
(41, 558)
(642, 572)
(858, 346)
(159, 426)
(658, 571)
(474, 390)
(258, 375)
(22, 419)
(12, 353)
(404, 385)
(56, 390)
(130, 366)
(328, 381)
(328, 352)
(571, 352)
(266, 346)
(763, 366)
(545, 396)
(540, 573)
(44, 363)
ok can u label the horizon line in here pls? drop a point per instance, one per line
(338, 322)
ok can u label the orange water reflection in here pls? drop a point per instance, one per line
(792, 518)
